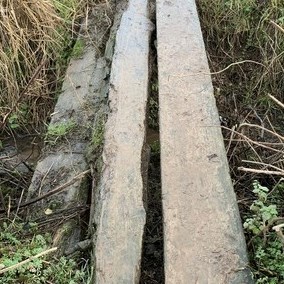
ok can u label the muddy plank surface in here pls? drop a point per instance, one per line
(120, 216)
(203, 235)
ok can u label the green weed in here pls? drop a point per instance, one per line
(58, 131)
(15, 249)
(78, 49)
(98, 133)
(155, 147)
(267, 255)
(13, 121)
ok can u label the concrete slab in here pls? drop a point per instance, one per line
(64, 156)
(120, 216)
(203, 235)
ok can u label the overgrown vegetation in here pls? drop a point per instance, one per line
(245, 44)
(36, 41)
(264, 226)
(58, 131)
(25, 258)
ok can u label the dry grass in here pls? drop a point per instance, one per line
(32, 41)
(247, 36)
(245, 45)
(243, 29)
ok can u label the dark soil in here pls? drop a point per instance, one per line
(152, 266)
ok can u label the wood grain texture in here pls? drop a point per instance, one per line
(203, 235)
(120, 223)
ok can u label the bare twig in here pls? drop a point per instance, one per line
(44, 177)
(9, 207)
(266, 172)
(261, 143)
(231, 138)
(262, 128)
(278, 230)
(276, 101)
(263, 164)
(248, 140)
(31, 258)
(217, 72)
(2, 199)
(50, 193)
(18, 207)
(277, 26)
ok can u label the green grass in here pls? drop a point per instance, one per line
(78, 49)
(238, 30)
(98, 134)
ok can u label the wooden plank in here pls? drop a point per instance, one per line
(203, 236)
(121, 218)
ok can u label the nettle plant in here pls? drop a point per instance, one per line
(262, 211)
(267, 257)
(15, 249)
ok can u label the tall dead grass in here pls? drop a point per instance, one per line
(33, 38)
(248, 36)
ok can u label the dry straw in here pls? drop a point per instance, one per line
(31, 40)
(245, 43)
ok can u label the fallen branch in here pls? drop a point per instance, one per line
(262, 128)
(262, 164)
(266, 172)
(278, 230)
(52, 192)
(276, 101)
(31, 258)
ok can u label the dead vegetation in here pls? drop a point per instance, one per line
(36, 37)
(245, 45)
(245, 40)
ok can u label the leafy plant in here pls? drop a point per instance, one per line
(59, 130)
(13, 121)
(267, 255)
(98, 133)
(15, 249)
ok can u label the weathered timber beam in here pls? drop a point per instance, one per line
(120, 218)
(203, 235)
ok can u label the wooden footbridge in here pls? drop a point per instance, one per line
(203, 236)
